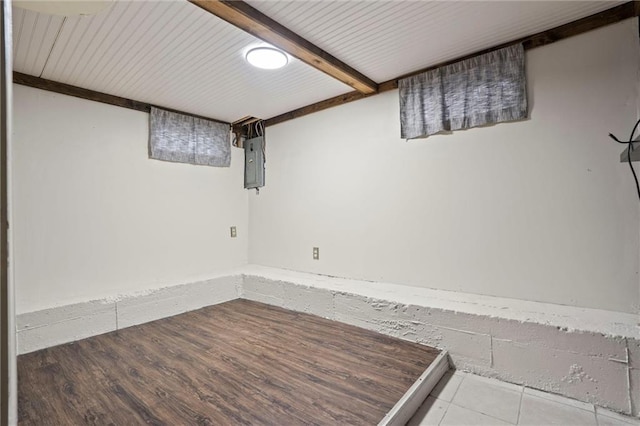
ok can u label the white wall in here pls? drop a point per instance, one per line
(94, 217)
(539, 210)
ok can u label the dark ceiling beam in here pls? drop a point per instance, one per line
(92, 95)
(245, 17)
(598, 20)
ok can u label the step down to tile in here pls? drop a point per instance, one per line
(411, 401)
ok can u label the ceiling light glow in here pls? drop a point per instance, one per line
(267, 58)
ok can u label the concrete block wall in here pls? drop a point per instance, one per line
(589, 355)
(55, 326)
(598, 366)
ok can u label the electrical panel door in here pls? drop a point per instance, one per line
(254, 162)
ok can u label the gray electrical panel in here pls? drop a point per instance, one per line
(254, 162)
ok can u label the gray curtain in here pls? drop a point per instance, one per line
(186, 139)
(486, 89)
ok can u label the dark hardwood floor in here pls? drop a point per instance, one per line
(236, 363)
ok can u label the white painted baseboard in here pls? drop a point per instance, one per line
(50, 327)
(55, 326)
(586, 354)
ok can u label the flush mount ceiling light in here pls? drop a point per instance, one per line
(268, 58)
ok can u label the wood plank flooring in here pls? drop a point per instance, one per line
(239, 362)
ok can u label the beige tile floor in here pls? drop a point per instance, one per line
(466, 399)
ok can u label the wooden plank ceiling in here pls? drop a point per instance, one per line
(167, 53)
(174, 54)
(386, 39)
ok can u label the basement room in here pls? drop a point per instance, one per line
(322, 212)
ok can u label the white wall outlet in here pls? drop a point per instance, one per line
(316, 253)
(233, 232)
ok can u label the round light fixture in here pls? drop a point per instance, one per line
(268, 58)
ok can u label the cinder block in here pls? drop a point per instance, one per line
(461, 363)
(587, 378)
(175, 300)
(466, 337)
(373, 314)
(263, 290)
(55, 326)
(163, 303)
(463, 346)
(594, 344)
(62, 313)
(311, 300)
(546, 336)
(452, 319)
(634, 376)
(211, 292)
(634, 352)
(50, 327)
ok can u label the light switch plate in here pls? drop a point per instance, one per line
(316, 253)
(233, 232)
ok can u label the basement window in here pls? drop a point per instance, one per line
(486, 89)
(184, 138)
